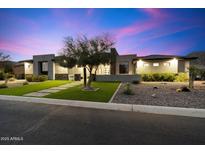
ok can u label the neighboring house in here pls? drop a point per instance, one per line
(200, 61)
(6, 66)
(120, 65)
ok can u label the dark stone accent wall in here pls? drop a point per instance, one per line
(122, 78)
(114, 54)
(61, 76)
(20, 76)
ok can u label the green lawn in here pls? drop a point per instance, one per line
(104, 94)
(19, 91)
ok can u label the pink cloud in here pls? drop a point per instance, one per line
(137, 28)
(15, 47)
(154, 12)
(73, 25)
(30, 46)
(156, 20)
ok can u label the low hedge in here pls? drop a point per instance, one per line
(2, 75)
(39, 78)
(170, 77)
(3, 85)
(182, 77)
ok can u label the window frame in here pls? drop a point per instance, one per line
(145, 64)
(154, 64)
(126, 68)
(166, 64)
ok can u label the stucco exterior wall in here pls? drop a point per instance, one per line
(143, 67)
(125, 59)
(60, 70)
(104, 70)
(187, 65)
(28, 68)
(75, 70)
(19, 70)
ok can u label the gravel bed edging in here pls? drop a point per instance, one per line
(113, 96)
(163, 95)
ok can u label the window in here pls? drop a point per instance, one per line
(146, 64)
(107, 71)
(44, 66)
(155, 64)
(167, 64)
(123, 68)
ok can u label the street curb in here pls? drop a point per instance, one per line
(72, 103)
(178, 111)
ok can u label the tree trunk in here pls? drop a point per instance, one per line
(191, 81)
(6, 81)
(90, 81)
(95, 74)
(84, 76)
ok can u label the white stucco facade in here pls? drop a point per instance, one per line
(157, 66)
(123, 65)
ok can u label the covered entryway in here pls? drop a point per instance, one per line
(44, 65)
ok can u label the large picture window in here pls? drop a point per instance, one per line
(124, 68)
(44, 66)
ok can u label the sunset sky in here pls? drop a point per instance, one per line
(27, 32)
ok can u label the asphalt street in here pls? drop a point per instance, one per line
(28, 123)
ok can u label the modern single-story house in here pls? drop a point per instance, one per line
(121, 65)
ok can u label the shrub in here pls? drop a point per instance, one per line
(128, 90)
(12, 79)
(29, 78)
(9, 76)
(170, 77)
(42, 78)
(159, 77)
(35, 79)
(181, 77)
(147, 77)
(2, 75)
(136, 82)
(3, 86)
(39, 78)
(25, 83)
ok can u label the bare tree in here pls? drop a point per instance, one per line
(193, 71)
(4, 58)
(87, 53)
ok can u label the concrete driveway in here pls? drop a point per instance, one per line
(27, 123)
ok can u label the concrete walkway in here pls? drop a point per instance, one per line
(45, 92)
